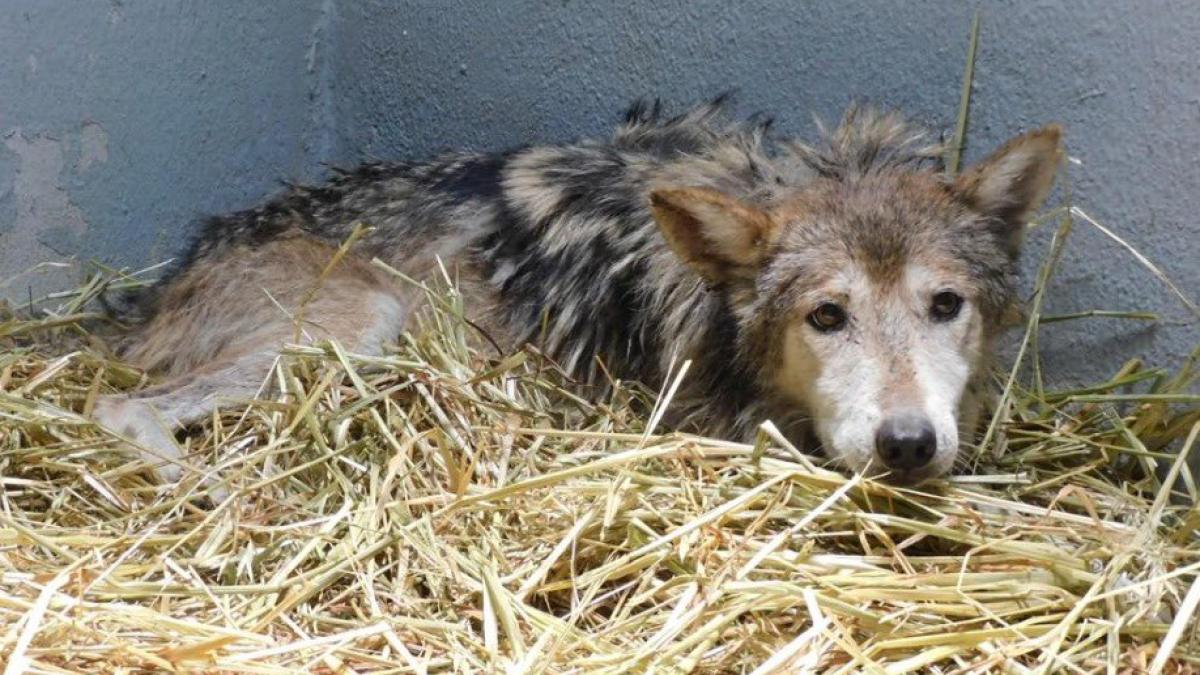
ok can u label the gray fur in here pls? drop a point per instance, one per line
(563, 244)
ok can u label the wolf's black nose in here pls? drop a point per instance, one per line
(905, 442)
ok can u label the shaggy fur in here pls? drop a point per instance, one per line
(692, 237)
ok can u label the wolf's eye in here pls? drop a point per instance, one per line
(946, 305)
(827, 317)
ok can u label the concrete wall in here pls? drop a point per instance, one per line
(122, 121)
(414, 76)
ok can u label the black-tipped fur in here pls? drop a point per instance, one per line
(562, 240)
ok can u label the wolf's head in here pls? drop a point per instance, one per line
(868, 293)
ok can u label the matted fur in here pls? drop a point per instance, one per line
(561, 248)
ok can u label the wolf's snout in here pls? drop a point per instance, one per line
(906, 442)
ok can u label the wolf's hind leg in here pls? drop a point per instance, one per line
(220, 326)
(150, 418)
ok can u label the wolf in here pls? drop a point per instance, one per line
(846, 289)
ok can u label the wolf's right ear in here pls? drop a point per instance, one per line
(720, 237)
(1012, 183)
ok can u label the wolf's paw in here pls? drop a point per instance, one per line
(137, 422)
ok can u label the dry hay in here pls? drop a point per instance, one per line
(440, 510)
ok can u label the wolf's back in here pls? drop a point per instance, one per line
(407, 210)
(555, 233)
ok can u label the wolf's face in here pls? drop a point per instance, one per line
(867, 302)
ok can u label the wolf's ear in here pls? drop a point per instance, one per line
(1012, 183)
(719, 236)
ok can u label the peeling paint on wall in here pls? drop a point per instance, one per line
(123, 124)
(47, 225)
(93, 147)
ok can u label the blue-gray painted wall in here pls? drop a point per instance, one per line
(161, 111)
(123, 121)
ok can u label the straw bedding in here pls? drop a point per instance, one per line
(439, 509)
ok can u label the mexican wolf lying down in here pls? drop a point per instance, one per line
(846, 290)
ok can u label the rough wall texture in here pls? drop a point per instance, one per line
(413, 77)
(122, 121)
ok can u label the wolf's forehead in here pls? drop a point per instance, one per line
(861, 259)
(874, 204)
(835, 276)
(877, 221)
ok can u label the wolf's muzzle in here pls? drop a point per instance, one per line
(906, 443)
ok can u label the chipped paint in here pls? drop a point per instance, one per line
(47, 223)
(93, 146)
(123, 124)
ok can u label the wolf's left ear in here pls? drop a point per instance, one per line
(720, 237)
(1012, 183)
